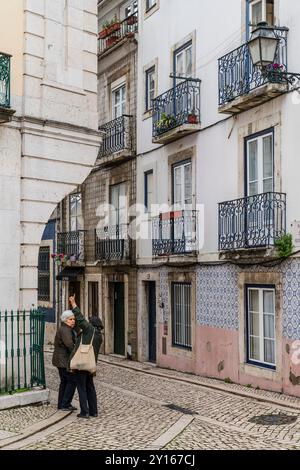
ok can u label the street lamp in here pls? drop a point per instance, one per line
(263, 45)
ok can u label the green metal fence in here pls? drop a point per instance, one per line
(21, 350)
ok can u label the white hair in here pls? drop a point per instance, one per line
(66, 314)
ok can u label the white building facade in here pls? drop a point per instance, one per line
(215, 296)
(49, 136)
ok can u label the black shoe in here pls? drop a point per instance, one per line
(68, 408)
(95, 415)
(80, 415)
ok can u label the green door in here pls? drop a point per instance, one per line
(119, 320)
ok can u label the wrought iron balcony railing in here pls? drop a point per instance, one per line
(118, 136)
(71, 244)
(238, 76)
(252, 222)
(174, 233)
(177, 106)
(114, 33)
(112, 243)
(4, 80)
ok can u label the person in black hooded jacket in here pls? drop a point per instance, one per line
(85, 384)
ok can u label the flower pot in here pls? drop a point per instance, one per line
(103, 33)
(114, 27)
(111, 41)
(130, 35)
(192, 119)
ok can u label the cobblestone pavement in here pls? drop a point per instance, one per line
(137, 408)
(16, 420)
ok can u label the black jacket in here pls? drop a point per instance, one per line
(63, 346)
(87, 333)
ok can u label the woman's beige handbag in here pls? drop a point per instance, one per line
(84, 358)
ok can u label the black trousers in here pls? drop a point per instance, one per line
(67, 388)
(87, 393)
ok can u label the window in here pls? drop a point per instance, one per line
(130, 8)
(182, 185)
(150, 87)
(150, 4)
(261, 10)
(76, 219)
(148, 190)
(260, 164)
(261, 325)
(44, 274)
(93, 290)
(183, 63)
(119, 101)
(118, 205)
(181, 314)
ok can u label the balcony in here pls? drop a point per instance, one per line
(176, 113)
(252, 222)
(117, 142)
(71, 244)
(112, 243)
(5, 109)
(118, 32)
(243, 86)
(175, 233)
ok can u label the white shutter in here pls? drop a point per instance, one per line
(177, 181)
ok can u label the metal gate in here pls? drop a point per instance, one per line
(21, 350)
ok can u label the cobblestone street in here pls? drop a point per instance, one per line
(141, 409)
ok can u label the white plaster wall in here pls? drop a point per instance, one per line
(10, 171)
(218, 30)
(53, 141)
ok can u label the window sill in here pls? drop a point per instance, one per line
(259, 371)
(147, 115)
(151, 10)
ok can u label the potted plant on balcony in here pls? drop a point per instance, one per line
(166, 122)
(113, 26)
(276, 73)
(60, 258)
(103, 32)
(192, 117)
(109, 27)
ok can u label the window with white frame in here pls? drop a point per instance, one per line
(181, 315)
(150, 4)
(261, 10)
(150, 87)
(260, 164)
(117, 199)
(182, 185)
(119, 101)
(75, 211)
(183, 61)
(129, 9)
(261, 343)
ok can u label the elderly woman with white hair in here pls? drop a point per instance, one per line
(63, 346)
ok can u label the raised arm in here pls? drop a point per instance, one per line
(80, 320)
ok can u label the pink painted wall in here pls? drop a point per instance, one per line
(216, 354)
(291, 364)
(172, 361)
